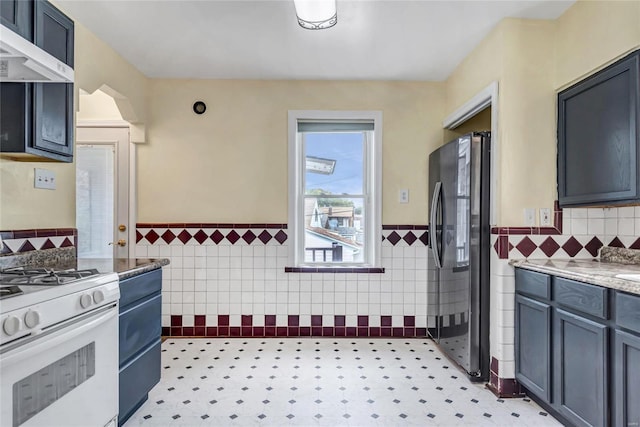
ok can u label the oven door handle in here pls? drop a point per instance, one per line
(43, 342)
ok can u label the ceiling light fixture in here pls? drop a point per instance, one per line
(316, 14)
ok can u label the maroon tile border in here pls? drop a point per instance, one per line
(71, 240)
(292, 329)
(555, 230)
(209, 225)
(405, 227)
(233, 233)
(571, 247)
(549, 246)
(502, 387)
(333, 270)
(41, 232)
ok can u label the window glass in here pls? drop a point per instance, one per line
(334, 185)
(337, 197)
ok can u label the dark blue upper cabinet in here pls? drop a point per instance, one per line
(17, 15)
(53, 31)
(36, 119)
(598, 137)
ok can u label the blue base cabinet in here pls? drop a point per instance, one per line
(140, 330)
(563, 346)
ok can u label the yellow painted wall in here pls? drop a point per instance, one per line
(517, 54)
(527, 119)
(532, 60)
(97, 66)
(592, 34)
(476, 71)
(230, 164)
(24, 207)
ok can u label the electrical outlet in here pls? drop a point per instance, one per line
(45, 178)
(545, 217)
(530, 217)
(403, 196)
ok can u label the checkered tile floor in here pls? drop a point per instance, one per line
(321, 382)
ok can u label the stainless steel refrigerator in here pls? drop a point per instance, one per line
(459, 230)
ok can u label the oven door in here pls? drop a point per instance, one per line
(66, 376)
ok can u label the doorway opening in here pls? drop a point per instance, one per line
(103, 179)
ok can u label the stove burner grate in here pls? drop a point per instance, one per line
(8, 291)
(42, 276)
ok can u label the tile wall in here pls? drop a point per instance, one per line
(578, 233)
(230, 280)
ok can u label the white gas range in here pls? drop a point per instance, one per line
(58, 347)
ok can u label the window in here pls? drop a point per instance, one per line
(335, 188)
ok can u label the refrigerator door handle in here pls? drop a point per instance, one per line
(437, 190)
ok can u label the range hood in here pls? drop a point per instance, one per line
(23, 61)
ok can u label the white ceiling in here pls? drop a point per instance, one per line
(240, 39)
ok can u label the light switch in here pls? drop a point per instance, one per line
(403, 196)
(545, 217)
(530, 217)
(45, 178)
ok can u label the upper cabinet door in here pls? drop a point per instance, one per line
(17, 16)
(598, 137)
(53, 31)
(53, 102)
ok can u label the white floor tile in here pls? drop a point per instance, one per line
(321, 382)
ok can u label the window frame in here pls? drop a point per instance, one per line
(373, 186)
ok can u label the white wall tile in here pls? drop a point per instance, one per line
(598, 213)
(626, 225)
(578, 212)
(610, 229)
(579, 226)
(595, 226)
(625, 212)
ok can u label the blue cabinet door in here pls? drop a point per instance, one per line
(17, 15)
(626, 374)
(581, 377)
(598, 137)
(533, 346)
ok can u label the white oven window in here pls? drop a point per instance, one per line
(34, 393)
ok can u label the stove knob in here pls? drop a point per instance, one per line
(11, 325)
(85, 300)
(98, 296)
(32, 319)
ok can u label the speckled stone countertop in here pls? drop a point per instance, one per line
(64, 259)
(596, 272)
(125, 267)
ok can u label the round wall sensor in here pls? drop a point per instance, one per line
(199, 107)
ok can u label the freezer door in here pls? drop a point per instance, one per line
(454, 278)
(435, 239)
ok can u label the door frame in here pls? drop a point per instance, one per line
(483, 99)
(132, 213)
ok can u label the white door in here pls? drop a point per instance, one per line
(102, 192)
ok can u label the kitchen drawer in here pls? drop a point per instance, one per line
(139, 327)
(134, 288)
(628, 311)
(533, 283)
(136, 379)
(588, 299)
